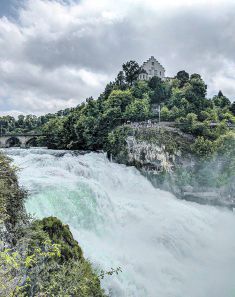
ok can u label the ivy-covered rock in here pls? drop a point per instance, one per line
(67, 274)
(12, 196)
(38, 258)
(52, 228)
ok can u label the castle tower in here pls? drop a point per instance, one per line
(151, 68)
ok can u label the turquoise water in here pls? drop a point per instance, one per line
(164, 246)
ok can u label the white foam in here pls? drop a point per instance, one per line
(164, 246)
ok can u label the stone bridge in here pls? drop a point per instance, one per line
(21, 140)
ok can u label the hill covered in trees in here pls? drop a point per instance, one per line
(183, 101)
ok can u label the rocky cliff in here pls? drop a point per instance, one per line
(163, 154)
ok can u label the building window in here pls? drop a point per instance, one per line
(155, 72)
(153, 63)
(160, 73)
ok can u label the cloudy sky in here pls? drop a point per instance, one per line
(56, 53)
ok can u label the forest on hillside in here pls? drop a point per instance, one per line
(183, 100)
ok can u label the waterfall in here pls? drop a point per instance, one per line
(165, 247)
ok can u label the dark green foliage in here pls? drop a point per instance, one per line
(116, 143)
(86, 127)
(195, 90)
(121, 81)
(108, 89)
(159, 92)
(183, 77)
(195, 76)
(12, 210)
(221, 101)
(203, 147)
(42, 258)
(140, 89)
(138, 110)
(28, 124)
(220, 94)
(232, 108)
(119, 99)
(131, 70)
(55, 130)
(76, 278)
(67, 275)
(58, 234)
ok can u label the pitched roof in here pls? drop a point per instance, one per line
(152, 58)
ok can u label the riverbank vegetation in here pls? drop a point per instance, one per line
(38, 258)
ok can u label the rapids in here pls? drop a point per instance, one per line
(164, 246)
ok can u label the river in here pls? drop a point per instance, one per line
(165, 247)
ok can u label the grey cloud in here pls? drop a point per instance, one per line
(190, 39)
(197, 39)
(99, 49)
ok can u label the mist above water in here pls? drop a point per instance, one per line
(164, 246)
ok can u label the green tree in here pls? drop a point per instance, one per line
(138, 110)
(120, 80)
(183, 78)
(165, 114)
(159, 92)
(221, 101)
(120, 99)
(203, 148)
(140, 89)
(195, 90)
(21, 120)
(131, 70)
(107, 91)
(55, 131)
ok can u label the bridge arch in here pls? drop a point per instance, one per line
(13, 141)
(22, 140)
(30, 140)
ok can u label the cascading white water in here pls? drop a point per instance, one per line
(164, 246)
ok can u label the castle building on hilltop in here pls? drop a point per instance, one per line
(151, 68)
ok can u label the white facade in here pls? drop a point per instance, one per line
(151, 68)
